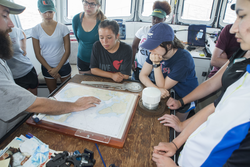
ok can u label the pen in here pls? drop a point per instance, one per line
(100, 155)
(28, 136)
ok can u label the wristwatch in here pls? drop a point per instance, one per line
(156, 65)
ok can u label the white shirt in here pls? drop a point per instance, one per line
(142, 53)
(19, 64)
(52, 47)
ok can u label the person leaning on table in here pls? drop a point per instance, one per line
(16, 101)
(219, 134)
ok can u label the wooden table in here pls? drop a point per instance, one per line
(145, 132)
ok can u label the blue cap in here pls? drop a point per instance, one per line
(157, 34)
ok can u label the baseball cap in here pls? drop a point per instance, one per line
(157, 34)
(233, 6)
(13, 7)
(45, 6)
(159, 13)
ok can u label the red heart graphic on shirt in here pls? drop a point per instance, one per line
(117, 64)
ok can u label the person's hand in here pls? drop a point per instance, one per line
(54, 73)
(84, 103)
(171, 121)
(117, 77)
(165, 149)
(163, 161)
(173, 104)
(133, 66)
(24, 53)
(156, 59)
(164, 92)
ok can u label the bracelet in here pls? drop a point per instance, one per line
(175, 145)
(182, 103)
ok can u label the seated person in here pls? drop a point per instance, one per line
(173, 66)
(225, 47)
(160, 10)
(110, 57)
(15, 100)
(211, 141)
(219, 133)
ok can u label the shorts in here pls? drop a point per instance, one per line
(64, 71)
(187, 107)
(29, 81)
(82, 65)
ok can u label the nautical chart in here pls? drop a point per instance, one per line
(109, 118)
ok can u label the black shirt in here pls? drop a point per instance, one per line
(234, 71)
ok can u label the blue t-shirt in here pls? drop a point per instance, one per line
(180, 67)
(85, 39)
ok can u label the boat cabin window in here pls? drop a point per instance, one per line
(228, 16)
(111, 9)
(30, 17)
(212, 13)
(197, 11)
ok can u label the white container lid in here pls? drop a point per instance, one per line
(151, 95)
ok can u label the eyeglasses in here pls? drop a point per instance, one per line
(86, 3)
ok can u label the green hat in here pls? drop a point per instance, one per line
(159, 13)
(45, 6)
(13, 7)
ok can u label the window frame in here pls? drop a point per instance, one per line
(125, 18)
(189, 22)
(148, 18)
(222, 14)
(64, 11)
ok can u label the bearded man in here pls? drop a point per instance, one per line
(16, 101)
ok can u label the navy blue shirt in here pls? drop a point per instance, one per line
(180, 67)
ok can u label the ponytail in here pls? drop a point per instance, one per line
(100, 15)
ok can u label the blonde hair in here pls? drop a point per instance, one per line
(100, 15)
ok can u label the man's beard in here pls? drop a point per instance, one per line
(6, 51)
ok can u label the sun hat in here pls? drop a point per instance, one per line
(45, 6)
(157, 34)
(13, 7)
(159, 13)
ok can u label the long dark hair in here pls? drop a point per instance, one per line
(100, 15)
(175, 44)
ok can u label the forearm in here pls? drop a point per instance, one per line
(193, 124)
(159, 79)
(99, 72)
(218, 62)
(146, 81)
(43, 61)
(47, 106)
(63, 60)
(134, 51)
(66, 54)
(204, 89)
